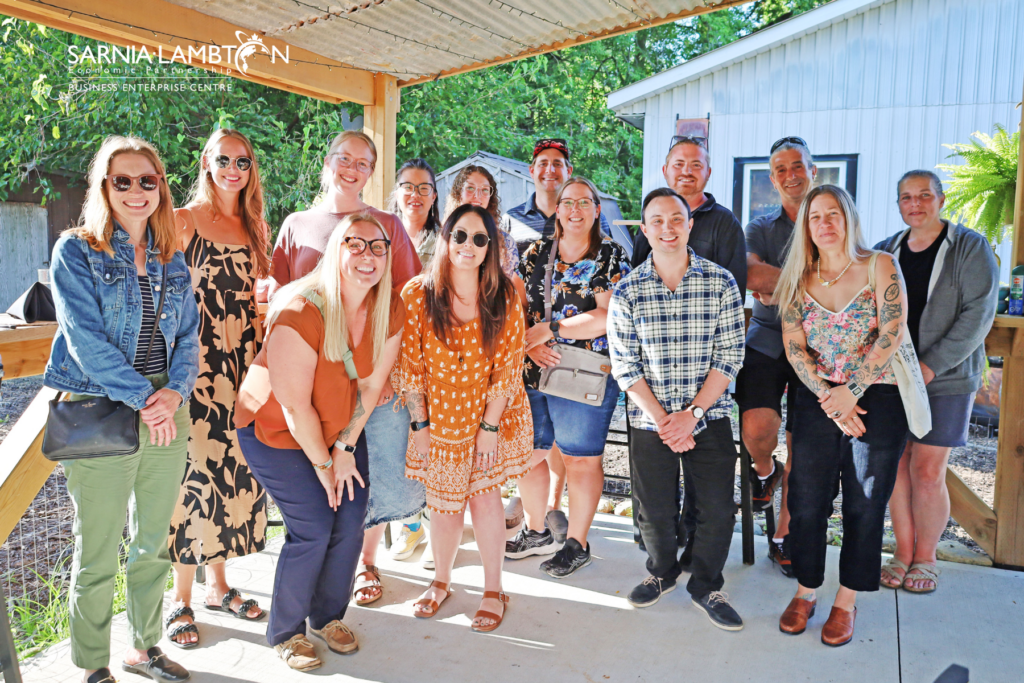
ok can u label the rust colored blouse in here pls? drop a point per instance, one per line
(334, 394)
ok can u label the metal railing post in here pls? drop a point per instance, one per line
(8, 654)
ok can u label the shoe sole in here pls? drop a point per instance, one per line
(845, 642)
(563, 576)
(352, 649)
(720, 625)
(406, 554)
(548, 549)
(648, 604)
(428, 565)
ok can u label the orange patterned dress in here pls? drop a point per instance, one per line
(458, 381)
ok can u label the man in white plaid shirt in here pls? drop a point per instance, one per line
(675, 330)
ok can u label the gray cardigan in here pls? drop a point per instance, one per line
(962, 295)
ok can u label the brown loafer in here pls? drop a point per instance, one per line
(339, 638)
(298, 653)
(838, 630)
(794, 619)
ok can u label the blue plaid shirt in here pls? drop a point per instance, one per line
(674, 339)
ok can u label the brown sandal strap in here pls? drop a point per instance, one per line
(481, 614)
(431, 605)
(440, 584)
(496, 595)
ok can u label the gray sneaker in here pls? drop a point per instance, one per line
(558, 523)
(528, 542)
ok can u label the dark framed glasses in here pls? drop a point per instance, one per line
(123, 183)
(378, 247)
(423, 189)
(480, 239)
(698, 140)
(224, 161)
(790, 140)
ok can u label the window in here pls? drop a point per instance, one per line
(753, 194)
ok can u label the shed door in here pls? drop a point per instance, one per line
(23, 248)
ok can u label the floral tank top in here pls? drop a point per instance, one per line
(839, 342)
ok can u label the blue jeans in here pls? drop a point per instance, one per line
(392, 495)
(579, 429)
(317, 566)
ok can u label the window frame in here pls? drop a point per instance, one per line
(742, 166)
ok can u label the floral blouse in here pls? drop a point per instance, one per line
(839, 342)
(574, 287)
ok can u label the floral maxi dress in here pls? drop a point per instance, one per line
(458, 380)
(221, 510)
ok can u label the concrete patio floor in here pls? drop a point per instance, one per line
(582, 628)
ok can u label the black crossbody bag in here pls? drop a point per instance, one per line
(96, 427)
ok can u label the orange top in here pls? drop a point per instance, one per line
(334, 394)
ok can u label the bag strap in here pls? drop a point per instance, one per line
(156, 320)
(346, 354)
(871, 270)
(549, 271)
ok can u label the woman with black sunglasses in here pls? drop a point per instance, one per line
(222, 510)
(460, 369)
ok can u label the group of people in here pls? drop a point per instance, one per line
(407, 368)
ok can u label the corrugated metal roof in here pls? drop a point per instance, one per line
(418, 40)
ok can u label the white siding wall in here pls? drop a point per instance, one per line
(891, 84)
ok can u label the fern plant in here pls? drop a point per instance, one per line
(981, 190)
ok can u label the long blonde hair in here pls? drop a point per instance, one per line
(250, 199)
(803, 252)
(326, 281)
(96, 225)
(341, 138)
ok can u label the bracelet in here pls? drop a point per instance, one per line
(324, 465)
(488, 427)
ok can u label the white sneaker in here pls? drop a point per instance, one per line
(407, 541)
(428, 557)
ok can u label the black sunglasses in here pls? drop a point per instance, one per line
(224, 161)
(792, 140)
(698, 140)
(357, 245)
(123, 183)
(480, 240)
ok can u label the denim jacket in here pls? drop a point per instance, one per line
(99, 317)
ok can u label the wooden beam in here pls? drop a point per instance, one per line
(379, 122)
(971, 512)
(153, 23)
(580, 40)
(25, 350)
(23, 469)
(1009, 491)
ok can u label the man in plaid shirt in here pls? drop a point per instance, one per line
(675, 330)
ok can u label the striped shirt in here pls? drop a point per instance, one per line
(674, 339)
(158, 358)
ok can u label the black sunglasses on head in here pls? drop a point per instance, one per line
(480, 240)
(791, 140)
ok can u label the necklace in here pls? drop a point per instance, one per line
(829, 283)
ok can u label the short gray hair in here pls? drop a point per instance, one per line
(933, 179)
(808, 159)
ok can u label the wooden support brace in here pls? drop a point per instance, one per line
(25, 350)
(971, 512)
(23, 469)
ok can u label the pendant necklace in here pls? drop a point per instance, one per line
(829, 283)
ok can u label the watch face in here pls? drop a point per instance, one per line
(698, 412)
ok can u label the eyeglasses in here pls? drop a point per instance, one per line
(348, 162)
(570, 204)
(473, 191)
(480, 239)
(792, 140)
(357, 245)
(224, 161)
(698, 140)
(423, 189)
(123, 183)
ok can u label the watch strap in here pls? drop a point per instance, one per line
(417, 426)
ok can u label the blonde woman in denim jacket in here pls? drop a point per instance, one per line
(107, 276)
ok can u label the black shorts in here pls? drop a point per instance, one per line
(762, 382)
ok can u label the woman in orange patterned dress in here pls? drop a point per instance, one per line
(460, 371)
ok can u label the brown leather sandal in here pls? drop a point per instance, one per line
(481, 614)
(429, 606)
(364, 585)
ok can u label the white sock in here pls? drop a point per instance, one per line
(769, 474)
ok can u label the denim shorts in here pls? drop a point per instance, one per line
(579, 429)
(951, 418)
(392, 495)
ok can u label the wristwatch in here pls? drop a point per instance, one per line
(554, 325)
(417, 426)
(855, 389)
(344, 446)
(697, 411)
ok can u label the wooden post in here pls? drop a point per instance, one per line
(1009, 493)
(379, 122)
(23, 469)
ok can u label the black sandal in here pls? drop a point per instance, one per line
(177, 630)
(101, 676)
(243, 609)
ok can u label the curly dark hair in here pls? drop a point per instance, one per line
(454, 200)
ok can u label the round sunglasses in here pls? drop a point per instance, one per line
(224, 161)
(123, 183)
(480, 239)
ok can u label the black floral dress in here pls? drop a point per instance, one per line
(574, 287)
(222, 510)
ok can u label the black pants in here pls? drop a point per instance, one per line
(824, 458)
(711, 467)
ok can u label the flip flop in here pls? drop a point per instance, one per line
(889, 570)
(243, 609)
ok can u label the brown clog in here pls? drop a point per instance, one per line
(794, 619)
(838, 630)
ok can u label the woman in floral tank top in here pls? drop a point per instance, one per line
(844, 315)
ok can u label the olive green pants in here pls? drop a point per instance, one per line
(146, 484)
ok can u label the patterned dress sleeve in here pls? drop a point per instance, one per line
(506, 380)
(410, 371)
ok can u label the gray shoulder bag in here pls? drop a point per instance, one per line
(580, 375)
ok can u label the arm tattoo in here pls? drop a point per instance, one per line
(417, 407)
(356, 414)
(890, 312)
(792, 318)
(892, 292)
(799, 360)
(884, 341)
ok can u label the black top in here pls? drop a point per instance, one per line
(768, 237)
(158, 358)
(917, 272)
(716, 236)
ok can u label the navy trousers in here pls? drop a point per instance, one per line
(317, 566)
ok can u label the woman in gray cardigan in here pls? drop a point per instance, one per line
(952, 284)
